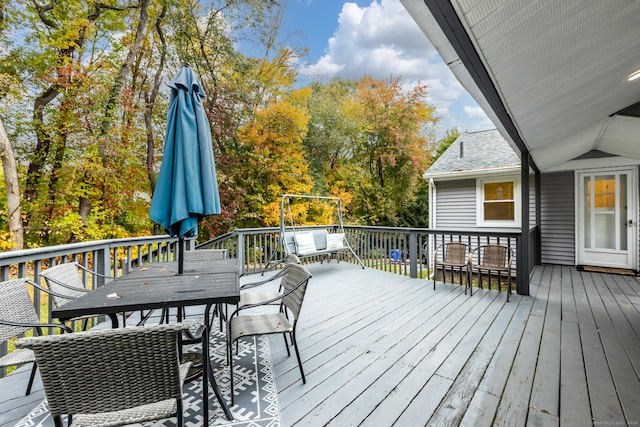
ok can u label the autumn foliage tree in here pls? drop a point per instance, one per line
(85, 112)
(275, 161)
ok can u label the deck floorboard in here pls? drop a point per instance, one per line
(381, 349)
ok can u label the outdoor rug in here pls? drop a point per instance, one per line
(256, 402)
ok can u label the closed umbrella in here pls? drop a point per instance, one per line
(186, 190)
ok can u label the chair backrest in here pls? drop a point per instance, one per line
(296, 278)
(455, 253)
(15, 306)
(495, 256)
(292, 259)
(62, 279)
(205, 255)
(108, 370)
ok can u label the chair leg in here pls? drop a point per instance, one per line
(220, 315)
(230, 360)
(179, 410)
(286, 344)
(31, 378)
(435, 275)
(57, 421)
(295, 346)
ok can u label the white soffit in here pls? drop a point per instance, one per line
(560, 68)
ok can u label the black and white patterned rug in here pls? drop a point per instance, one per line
(256, 397)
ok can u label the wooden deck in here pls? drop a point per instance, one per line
(380, 349)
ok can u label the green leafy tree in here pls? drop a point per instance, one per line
(329, 145)
(391, 149)
(445, 142)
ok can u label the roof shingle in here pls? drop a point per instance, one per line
(484, 150)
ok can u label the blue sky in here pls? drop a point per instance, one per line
(350, 39)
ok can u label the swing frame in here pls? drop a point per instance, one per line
(286, 246)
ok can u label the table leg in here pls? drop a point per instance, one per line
(114, 320)
(207, 375)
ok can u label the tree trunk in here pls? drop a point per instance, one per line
(16, 230)
(116, 90)
(150, 100)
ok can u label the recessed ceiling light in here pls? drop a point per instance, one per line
(634, 75)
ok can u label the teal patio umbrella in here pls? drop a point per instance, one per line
(186, 190)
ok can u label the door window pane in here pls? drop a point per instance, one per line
(604, 198)
(587, 211)
(623, 212)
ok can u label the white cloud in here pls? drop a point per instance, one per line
(378, 40)
(474, 111)
(382, 40)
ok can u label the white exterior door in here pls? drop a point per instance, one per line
(607, 211)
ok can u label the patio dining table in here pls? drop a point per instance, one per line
(158, 286)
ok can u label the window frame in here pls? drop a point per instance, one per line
(480, 201)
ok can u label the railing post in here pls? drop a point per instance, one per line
(413, 255)
(240, 253)
(522, 246)
(102, 261)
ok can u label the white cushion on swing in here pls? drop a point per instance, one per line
(335, 241)
(305, 243)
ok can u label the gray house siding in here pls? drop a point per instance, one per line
(456, 208)
(557, 212)
(456, 204)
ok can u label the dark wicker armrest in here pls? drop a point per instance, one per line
(95, 273)
(36, 325)
(262, 282)
(65, 285)
(49, 291)
(269, 301)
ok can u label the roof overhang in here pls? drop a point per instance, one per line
(476, 173)
(551, 76)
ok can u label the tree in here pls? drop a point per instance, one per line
(329, 144)
(10, 169)
(391, 149)
(445, 142)
(275, 162)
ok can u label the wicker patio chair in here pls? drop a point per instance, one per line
(111, 377)
(250, 296)
(492, 258)
(202, 255)
(205, 255)
(18, 316)
(454, 256)
(294, 282)
(66, 282)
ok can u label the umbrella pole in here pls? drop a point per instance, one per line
(180, 255)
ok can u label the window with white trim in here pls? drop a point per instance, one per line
(498, 201)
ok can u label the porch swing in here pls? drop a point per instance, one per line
(310, 243)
